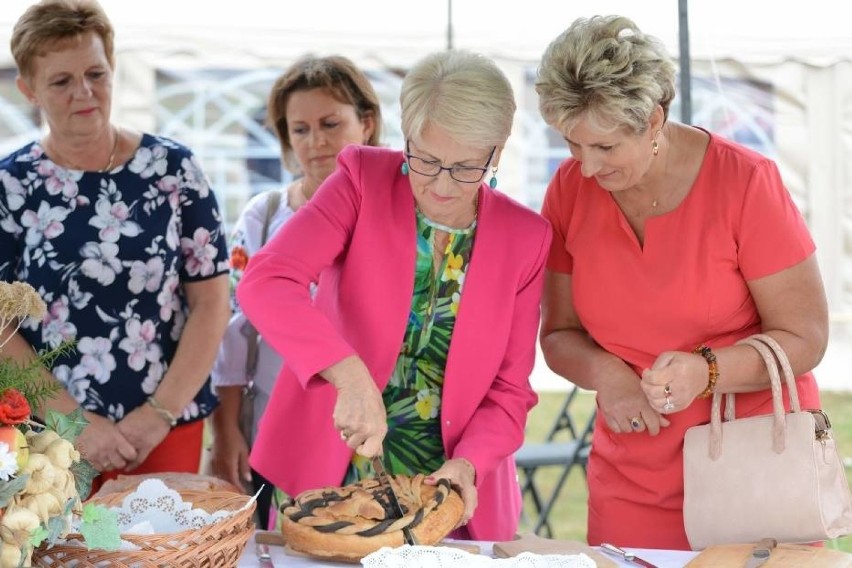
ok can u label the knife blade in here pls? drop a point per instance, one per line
(384, 479)
(264, 559)
(626, 556)
(761, 552)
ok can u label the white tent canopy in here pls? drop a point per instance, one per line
(815, 32)
(802, 51)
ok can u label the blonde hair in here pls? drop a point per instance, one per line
(463, 93)
(606, 68)
(336, 75)
(51, 22)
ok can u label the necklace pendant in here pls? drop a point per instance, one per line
(654, 204)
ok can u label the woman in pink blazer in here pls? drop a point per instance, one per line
(420, 340)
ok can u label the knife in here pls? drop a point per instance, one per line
(264, 559)
(761, 552)
(626, 556)
(384, 480)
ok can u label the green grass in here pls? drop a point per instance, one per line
(568, 517)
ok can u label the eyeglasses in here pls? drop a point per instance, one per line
(432, 168)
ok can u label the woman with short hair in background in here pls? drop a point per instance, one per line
(316, 108)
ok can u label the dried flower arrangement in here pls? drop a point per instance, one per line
(42, 475)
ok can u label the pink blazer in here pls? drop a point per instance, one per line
(357, 238)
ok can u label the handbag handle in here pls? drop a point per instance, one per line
(773, 356)
(251, 334)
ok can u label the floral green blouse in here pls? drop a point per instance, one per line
(413, 395)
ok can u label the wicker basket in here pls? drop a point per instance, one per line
(218, 545)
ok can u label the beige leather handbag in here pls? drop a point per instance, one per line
(775, 476)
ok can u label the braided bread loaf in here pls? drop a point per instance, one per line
(347, 523)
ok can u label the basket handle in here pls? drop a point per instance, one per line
(773, 356)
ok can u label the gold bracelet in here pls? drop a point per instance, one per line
(162, 411)
(713, 369)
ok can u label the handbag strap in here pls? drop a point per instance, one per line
(272, 201)
(773, 356)
(786, 368)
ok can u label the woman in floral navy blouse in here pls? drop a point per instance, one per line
(120, 233)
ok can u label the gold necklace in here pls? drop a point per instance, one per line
(638, 213)
(71, 165)
(439, 257)
(670, 190)
(665, 195)
(116, 132)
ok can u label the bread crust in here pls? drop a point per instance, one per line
(329, 523)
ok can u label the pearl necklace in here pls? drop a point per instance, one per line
(71, 165)
(447, 228)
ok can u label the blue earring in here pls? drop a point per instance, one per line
(492, 183)
(404, 169)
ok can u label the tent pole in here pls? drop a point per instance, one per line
(449, 24)
(685, 71)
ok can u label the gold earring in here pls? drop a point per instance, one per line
(655, 147)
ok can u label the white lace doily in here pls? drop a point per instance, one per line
(448, 557)
(155, 509)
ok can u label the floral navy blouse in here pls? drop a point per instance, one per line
(108, 252)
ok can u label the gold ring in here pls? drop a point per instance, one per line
(667, 390)
(636, 423)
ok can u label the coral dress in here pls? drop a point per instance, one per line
(687, 285)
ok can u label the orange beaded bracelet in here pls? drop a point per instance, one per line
(713, 366)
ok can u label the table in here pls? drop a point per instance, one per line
(662, 558)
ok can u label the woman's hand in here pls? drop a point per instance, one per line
(103, 444)
(230, 450)
(462, 475)
(674, 380)
(359, 413)
(145, 429)
(229, 456)
(624, 406)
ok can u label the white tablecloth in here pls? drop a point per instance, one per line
(661, 558)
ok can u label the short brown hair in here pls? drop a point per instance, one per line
(340, 78)
(49, 22)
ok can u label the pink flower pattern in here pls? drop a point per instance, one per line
(110, 252)
(200, 253)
